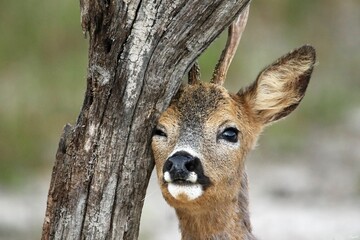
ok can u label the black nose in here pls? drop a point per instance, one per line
(180, 165)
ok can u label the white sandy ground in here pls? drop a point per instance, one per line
(313, 196)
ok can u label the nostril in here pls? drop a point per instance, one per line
(168, 165)
(192, 164)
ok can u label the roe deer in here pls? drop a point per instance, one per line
(202, 139)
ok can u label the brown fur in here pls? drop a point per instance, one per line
(195, 117)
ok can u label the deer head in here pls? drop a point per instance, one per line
(202, 139)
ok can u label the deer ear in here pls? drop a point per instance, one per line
(281, 86)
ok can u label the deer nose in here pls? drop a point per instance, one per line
(180, 165)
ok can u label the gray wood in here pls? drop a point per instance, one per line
(138, 53)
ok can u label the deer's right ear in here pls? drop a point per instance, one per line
(281, 86)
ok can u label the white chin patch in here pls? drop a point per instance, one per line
(191, 192)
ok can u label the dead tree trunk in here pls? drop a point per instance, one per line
(138, 53)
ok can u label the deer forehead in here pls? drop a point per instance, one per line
(197, 107)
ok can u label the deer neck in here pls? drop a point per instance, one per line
(228, 220)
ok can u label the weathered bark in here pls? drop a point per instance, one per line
(138, 53)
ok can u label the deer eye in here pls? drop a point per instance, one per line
(159, 132)
(230, 134)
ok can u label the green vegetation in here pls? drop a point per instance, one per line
(42, 79)
(43, 58)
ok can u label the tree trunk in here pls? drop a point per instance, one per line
(138, 54)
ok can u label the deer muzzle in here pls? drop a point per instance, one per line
(182, 168)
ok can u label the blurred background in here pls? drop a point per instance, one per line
(305, 173)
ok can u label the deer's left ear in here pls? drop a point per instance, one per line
(281, 86)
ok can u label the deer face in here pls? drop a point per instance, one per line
(199, 144)
(202, 139)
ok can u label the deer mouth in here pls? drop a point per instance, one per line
(186, 185)
(183, 185)
(186, 178)
(180, 177)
